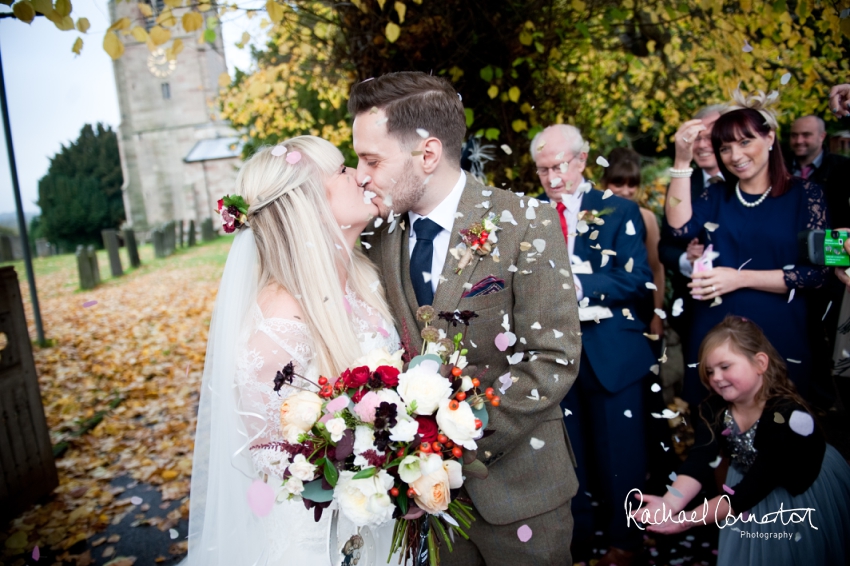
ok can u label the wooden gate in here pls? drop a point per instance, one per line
(27, 469)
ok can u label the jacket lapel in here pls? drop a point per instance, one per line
(396, 264)
(451, 286)
(592, 200)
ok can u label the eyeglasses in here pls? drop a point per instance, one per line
(555, 169)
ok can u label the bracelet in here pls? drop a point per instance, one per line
(681, 173)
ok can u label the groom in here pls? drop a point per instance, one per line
(408, 131)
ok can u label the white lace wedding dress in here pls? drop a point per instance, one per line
(294, 537)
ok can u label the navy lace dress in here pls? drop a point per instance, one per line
(759, 238)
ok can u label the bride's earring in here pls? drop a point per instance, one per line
(770, 148)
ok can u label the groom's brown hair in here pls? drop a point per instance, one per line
(411, 101)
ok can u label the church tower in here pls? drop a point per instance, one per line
(167, 112)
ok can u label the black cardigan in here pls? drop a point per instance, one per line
(784, 458)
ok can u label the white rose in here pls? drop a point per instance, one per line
(365, 501)
(425, 386)
(298, 414)
(404, 431)
(336, 427)
(409, 469)
(293, 486)
(380, 357)
(458, 424)
(364, 439)
(302, 469)
(455, 472)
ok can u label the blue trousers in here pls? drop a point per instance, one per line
(611, 455)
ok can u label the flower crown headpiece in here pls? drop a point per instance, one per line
(761, 103)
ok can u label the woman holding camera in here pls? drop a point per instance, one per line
(753, 225)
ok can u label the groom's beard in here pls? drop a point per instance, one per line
(404, 194)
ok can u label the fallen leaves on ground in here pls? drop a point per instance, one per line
(137, 358)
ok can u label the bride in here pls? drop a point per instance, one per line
(295, 288)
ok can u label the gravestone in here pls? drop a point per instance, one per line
(170, 238)
(27, 468)
(95, 267)
(207, 232)
(84, 269)
(158, 237)
(192, 241)
(180, 240)
(6, 253)
(110, 242)
(132, 247)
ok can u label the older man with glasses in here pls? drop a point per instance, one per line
(605, 407)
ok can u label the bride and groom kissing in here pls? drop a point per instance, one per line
(298, 288)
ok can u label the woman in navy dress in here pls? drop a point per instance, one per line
(752, 221)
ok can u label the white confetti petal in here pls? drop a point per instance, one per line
(711, 226)
(786, 78)
(555, 181)
(536, 326)
(716, 461)
(630, 228)
(530, 214)
(173, 533)
(678, 306)
(607, 194)
(366, 245)
(604, 261)
(539, 245)
(506, 148)
(791, 295)
(515, 359)
(747, 48)
(558, 333)
(422, 133)
(584, 302)
(506, 216)
(602, 161)
(666, 448)
(567, 412)
(651, 286)
(630, 265)
(536, 443)
(535, 395)
(801, 423)
(581, 227)
(661, 314)
(513, 268)
(655, 388)
(628, 413)
(426, 275)
(655, 368)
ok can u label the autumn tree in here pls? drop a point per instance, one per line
(81, 193)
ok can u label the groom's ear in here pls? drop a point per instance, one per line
(432, 154)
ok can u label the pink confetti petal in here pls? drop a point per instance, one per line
(726, 431)
(414, 513)
(136, 500)
(728, 489)
(501, 341)
(36, 553)
(384, 332)
(505, 382)
(802, 423)
(293, 157)
(88, 304)
(338, 404)
(260, 498)
(326, 418)
(279, 150)
(524, 533)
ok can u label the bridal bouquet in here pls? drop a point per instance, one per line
(388, 440)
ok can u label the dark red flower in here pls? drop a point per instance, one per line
(427, 428)
(389, 375)
(358, 395)
(357, 377)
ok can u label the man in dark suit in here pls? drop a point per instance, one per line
(676, 256)
(811, 161)
(604, 409)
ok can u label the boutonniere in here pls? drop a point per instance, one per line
(587, 218)
(478, 239)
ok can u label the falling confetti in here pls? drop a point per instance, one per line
(628, 413)
(136, 500)
(260, 498)
(173, 533)
(673, 476)
(675, 492)
(505, 340)
(655, 388)
(786, 78)
(368, 196)
(524, 533)
(535, 395)
(630, 228)
(36, 553)
(515, 359)
(747, 47)
(278, 150)
(567, 412)
(728, 489)
(661, 314)
(293, 157)
(791, 295)
(506, 148)
(678, 307)
(88, 304)
(778, 418)
(422, 133)
(651, 286)
(602, 161)
(716, 462)
(607, 194)
(802, 423)
(711, 226)
(536, 443)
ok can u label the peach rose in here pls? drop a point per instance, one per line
(298, 414)
(432, 488)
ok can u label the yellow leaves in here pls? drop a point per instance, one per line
(392, 32)
(166, 18)
(845, 26)
(120, 24)
(112, 45)
(579, 6)
(145, 9)
(224, 80)
(519, 125)
(18, 541)
(83, 25)
(174, 3)
(275, 11)
(192, 21)
(169, 475)
(493, 91)
(78, 46)
(381, 4)
(159, 35)
(24, 11)
(525, 37)
(401, 10)
(172, 52)
(140, 34)
(63, 7)
(513, 94)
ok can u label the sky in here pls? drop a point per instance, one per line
(52, 93)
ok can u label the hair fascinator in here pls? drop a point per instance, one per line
(762, 103)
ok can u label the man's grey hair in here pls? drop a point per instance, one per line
(818, 119)
(571, 134)
(709, 110)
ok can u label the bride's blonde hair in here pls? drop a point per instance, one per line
(301, 246)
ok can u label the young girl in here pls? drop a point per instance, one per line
(779, 461)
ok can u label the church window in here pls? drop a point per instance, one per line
(166, 91)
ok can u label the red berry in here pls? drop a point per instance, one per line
(400, 453)
(449, 444)
(411, 492)
(394, 492)
(478, 424)
(484, 235)
(436, 447)
(425, 447)
(461, 396)
(323, 380)
(489, 392)
(456, 371)
(442, 438)
(496, 401)
(457, 452)
(453, 405)
(476, 382)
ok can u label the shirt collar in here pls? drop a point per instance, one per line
(706, 176)
(444, 213)
(573, 201)
(818, 160)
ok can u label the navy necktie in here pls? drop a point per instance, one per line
(420, 262)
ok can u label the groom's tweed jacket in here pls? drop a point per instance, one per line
(523, 481)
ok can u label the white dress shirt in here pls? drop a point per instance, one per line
(572, 202)
(444, 216)
(685, 266)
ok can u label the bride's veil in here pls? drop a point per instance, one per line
(222, 528)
